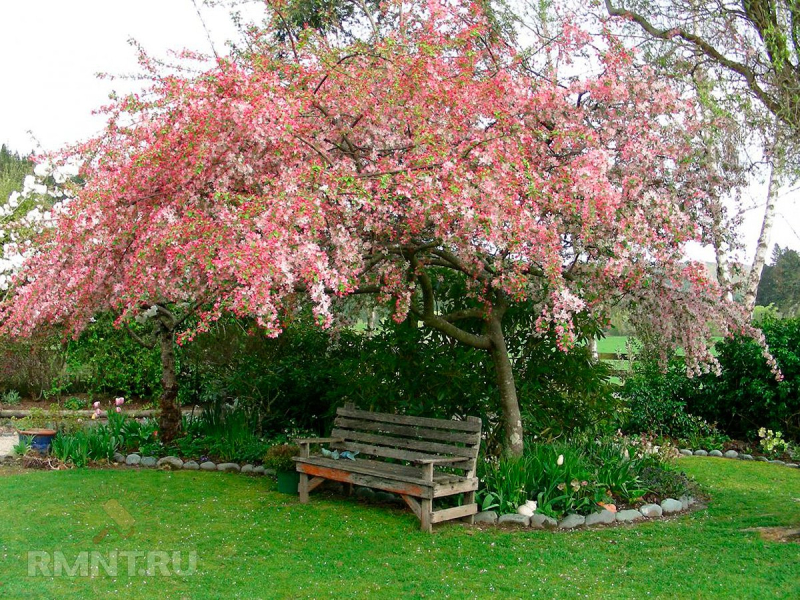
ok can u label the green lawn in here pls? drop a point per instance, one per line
(251, 542)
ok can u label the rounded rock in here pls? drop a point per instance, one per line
(259, 470)
(745, 457)
(715, 453)
(571, 522)
(229, 467)
(670, 505)
(604, 517)
(628, 516)
(208, 466)
(171, 463)
(119, 458)
(686, 451)
(365, 492)
(149, 461)
(487, 516)
(651, 510)
(133, 459)
(541, 521)
(247, 469)
(700, 453)
(518, 520)
(731, 454)
(191, 465)
(762, 459)
(384, 497)
(777, 462)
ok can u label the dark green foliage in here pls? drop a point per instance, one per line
(656, 402)
(105, 360)
(563, 392)
(31, 366)
(780, 282)
(747, 395)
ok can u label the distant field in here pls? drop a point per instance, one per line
(613, 343)
(619, 343)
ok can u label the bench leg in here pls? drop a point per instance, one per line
(469, 498)
(426, 510)
(348, 489)
(303, 488)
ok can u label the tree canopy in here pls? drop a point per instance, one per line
(319, 167)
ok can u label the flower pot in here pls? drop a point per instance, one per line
(39, 439)
(288, 482)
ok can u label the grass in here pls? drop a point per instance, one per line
(252, 542)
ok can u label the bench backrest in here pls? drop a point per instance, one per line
(408, 438)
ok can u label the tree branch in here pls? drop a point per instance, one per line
(706, 48)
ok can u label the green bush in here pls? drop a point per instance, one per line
(656, 402)
(74, 403)
(108, 361)
(747, 396)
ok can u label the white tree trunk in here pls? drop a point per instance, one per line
(763, 240)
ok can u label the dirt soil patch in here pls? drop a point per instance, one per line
(777, 534)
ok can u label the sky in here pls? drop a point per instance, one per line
(52, 50)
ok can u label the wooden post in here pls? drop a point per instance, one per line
(469, 498)
(303, 488)
(426, 508)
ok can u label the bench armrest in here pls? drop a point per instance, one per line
(440, 460)
(305, 444)
(317, 440)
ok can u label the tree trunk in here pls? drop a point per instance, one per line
(763, 240)
(169, 422)
(512, 418)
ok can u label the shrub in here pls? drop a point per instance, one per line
(279, 457)
(747, 396)
(105, 360)
(656, 402)
(74, 403)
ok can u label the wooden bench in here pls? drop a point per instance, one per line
(419, 458)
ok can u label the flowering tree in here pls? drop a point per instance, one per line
(325, 169)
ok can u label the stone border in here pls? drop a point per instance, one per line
(668, 506)
(733, 454)
(173, 463)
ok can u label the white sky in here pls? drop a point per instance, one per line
(52, 49)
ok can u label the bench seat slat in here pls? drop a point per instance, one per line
(365, 448)
(405, 443)
(409, 431)
(470, 426)
(378, 469)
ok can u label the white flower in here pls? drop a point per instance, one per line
(560, 460)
